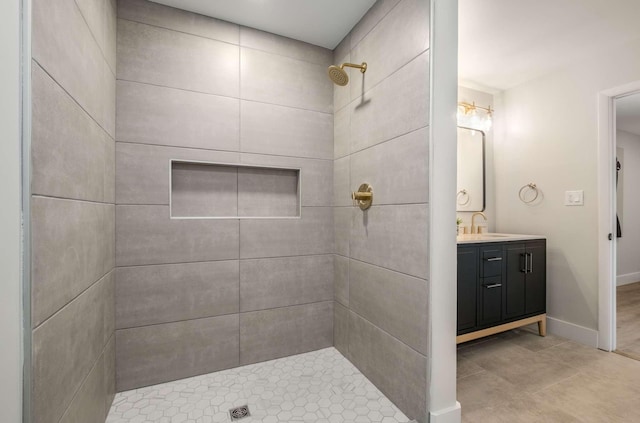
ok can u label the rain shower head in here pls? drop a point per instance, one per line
(338, 74)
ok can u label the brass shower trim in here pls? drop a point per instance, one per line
(338, 75)
(363, 197)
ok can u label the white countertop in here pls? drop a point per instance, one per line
(493, 237)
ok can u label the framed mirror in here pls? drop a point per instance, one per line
(470, 195)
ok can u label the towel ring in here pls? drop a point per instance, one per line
(531, 186)
(463, 193)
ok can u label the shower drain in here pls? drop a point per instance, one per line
(239, 412)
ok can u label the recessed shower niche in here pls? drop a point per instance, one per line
(206, 190)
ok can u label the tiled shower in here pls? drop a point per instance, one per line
(192, 206)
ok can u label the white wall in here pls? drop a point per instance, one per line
(629, 244)
(550, 137)
(10, 335)
(482, 99)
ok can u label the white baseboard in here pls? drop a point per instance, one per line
(579, 334)
(448, 415)
(627, 278)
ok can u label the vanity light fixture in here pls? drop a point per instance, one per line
(469, 116)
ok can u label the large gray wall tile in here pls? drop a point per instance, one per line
(377, 12)
(110, 372)
(279, 282)
(65, 349)
(143, 170)
(342, 54)
(174, 59)
(315, 174)
(72, 247)
(160, 353)
(342, 217)
(268, 192)
(395, 237)
(341, 328)
(196, 290)
(69, 149)
(311, 234)
(385, 49)
(109, 94)
(286, 131)
(146, 235)
(157, 115)
(341, 283)
(398, 170)
(63, 44)
(342, 182)
(179, 20)
(108, 295)
(396, 369)
(111, 34)
(276, 79)
(109, 169)
(88, 404)
(94, 12)
(393, 301)
(399, 105)
(341, 132)
(272, 43)
(269, 334)
(201, 190)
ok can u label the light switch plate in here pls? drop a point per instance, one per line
(574, 198)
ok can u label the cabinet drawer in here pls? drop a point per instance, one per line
(491, 260)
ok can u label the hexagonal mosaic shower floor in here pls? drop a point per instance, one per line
(320, 386)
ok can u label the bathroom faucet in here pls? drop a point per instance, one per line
(474, 227)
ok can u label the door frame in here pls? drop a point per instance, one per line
(607, 249)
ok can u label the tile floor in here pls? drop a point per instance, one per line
(519, 377)
(320, 386)
(628, 322)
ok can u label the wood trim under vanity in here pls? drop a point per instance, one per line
(540, 319)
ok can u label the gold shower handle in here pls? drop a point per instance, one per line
(363, 197)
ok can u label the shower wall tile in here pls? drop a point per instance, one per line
(109, 91)
(342, 182)
(165, 116)
(85, 230)
(143, 170)
(109, 169)
(394, 237)
(108, 295)
(269, 334)
(285, 131)
(200, 190)
(276, 79)
(178, 20)
(395, 302)
(160, 353)
(280, 282)
(268, 192)
(63, 43)
(341, 328)
(88, 404)
(385, 49)
(110, 372)
(65, 349)
(342, 217)
(341, 132)
(168, 58)
(111, 34)
(397, 169)
(341, 284)
(395, 107)
(272, 43)
(196, 290)
(310, 234)
(342, 95)
(146, 235)
(67, 145)
(315, 174)
(377, 12)
(396, 369)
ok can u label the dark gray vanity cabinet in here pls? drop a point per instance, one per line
(500, 283)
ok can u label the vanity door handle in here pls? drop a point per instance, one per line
(526, 261)
(494, 259)
(495, 285)
(530, 267)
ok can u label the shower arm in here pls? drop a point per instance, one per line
(362, 67)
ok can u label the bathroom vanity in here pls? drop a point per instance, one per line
(501, 284)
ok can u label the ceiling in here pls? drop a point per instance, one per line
(504, 43)
(628, 113)
(321, 22)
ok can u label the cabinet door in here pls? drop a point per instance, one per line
(536, 295)
(515, 288)
(490, 301)
(467, 287)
